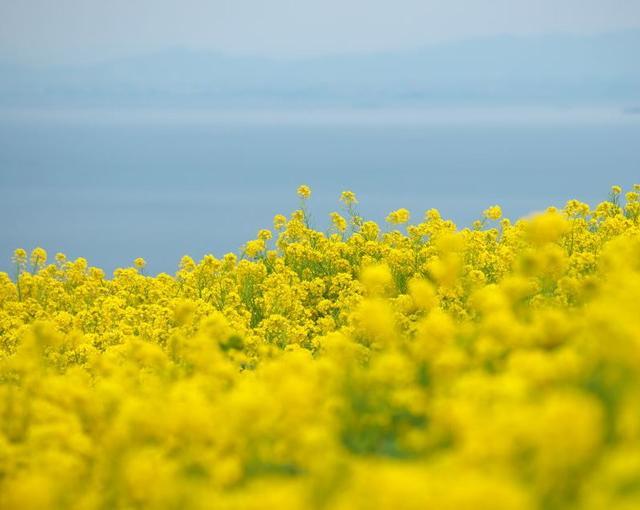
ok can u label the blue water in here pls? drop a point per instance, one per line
(112, 191)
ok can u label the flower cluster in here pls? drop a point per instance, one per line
(368, 367)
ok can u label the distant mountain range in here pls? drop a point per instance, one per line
(557, 70)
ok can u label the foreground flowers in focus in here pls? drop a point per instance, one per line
(369, 367)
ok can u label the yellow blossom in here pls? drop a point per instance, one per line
(376, 278)
(435, 366)
(304, 191)
(38, 257)
(398, 217)
(338, 222)
(493, 213)
(348, 198)
(279, 221)
(20, 256)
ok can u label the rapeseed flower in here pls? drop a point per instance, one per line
(338, 222)
(398, 217)
(445, 367)
(348, 198)
(493, 213)
(304, 192)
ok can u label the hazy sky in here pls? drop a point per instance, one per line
(95, 29)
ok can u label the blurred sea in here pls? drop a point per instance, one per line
(114, 185)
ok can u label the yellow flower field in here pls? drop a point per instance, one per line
(411, 365)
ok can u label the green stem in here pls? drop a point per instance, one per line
(18, 281)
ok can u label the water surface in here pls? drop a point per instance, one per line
(113, 186)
